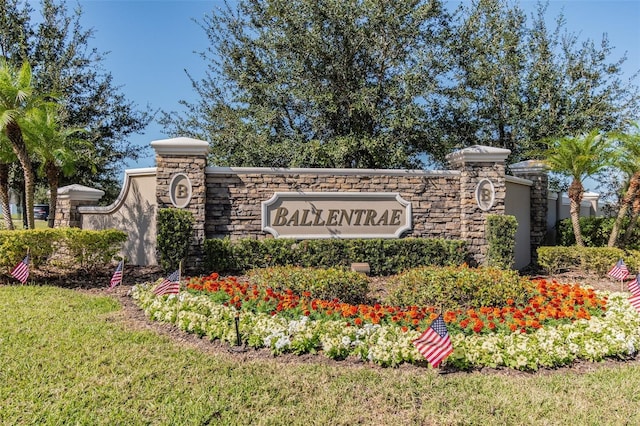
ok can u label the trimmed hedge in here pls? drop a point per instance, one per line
(175, 229)
(327, 284)
(385, 257)
(593, 259)
(460, 287)
(70, 247)
(501, 239)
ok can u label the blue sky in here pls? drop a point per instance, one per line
(152, 42)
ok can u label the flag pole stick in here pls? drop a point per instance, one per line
(28, 249)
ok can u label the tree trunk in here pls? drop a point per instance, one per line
(634, 185)
(4, 196)
(53, 174)
(14, 134)
(575, 195)
(632, 221)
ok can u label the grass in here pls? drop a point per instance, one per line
(66, 358)
(17, 222)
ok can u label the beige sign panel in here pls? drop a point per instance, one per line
(485, 194)
(180, 190)
(305, 215)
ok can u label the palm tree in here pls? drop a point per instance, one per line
(16, 95)
(578, 158)
(55, 147)
(6, 158)
(628, 160)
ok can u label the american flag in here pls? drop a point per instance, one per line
(435, 344)
(634, 287)
(117, 276)
(21, 271)
(170, 285)
(619, 271)
(635, 302)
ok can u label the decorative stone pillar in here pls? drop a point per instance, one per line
(69, 199)
(180, 183)
(536, 172)
(482, 192)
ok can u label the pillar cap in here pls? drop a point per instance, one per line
(528, 166)
(77, 192)
(478, 154)
(180, 146)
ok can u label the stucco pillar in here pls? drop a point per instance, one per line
(180, 183)
(69, 199)
(482, 192)
(536, 172)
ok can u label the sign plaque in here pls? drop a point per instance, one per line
(306, 215)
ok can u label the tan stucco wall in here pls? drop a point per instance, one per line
(134, 212)
(517, 203)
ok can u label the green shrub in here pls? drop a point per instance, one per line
(501, 241)
(555, 259)
(66, 247)
(327, 284)
(175, 227)
(41, 243)
(458, 287)
(598, 260)
(385, 257)
(595, 232)
(323, 253)
(90, 249)
(218, 255)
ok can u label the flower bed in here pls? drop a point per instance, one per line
(560, 324)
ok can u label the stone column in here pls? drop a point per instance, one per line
(535, 171)
(482, 192)
(180, 183)
(69, 199)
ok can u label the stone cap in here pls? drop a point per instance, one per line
(478, 154)
(180, 146)
(77, 192)
(590, 196)
(528, 166)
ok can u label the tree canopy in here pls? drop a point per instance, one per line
(53, 41)
(392, 84)
(334, 83)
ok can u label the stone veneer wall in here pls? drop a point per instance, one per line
(234, 196)
(187, 156)
(227, 202)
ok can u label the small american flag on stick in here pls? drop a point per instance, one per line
(116, 278)
(170, 285)
(635, 302)
(619, 271)
(21, 271)
(634, 286)
(435, 344)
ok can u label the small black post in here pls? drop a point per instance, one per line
(238, 342)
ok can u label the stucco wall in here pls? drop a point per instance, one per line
(518, 203)
(134, 212)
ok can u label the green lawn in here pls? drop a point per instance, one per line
(67, 358)
(17, 222)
